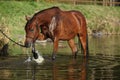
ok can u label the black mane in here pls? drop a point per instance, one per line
(54, 7)
(35, 15)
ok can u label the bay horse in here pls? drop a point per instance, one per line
(58, 25)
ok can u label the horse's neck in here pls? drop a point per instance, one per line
(44, 21)
(44, 18)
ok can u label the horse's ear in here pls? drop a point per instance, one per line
(27, 18)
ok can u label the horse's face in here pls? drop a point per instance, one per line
(32, 33)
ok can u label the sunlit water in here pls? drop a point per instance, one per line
(103, 63)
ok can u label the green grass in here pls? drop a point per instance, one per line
(12, 15)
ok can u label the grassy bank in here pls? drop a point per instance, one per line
(100, 18)
(12, 15)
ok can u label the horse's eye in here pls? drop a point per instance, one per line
(31, 30)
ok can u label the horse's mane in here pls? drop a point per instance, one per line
(51, 8)
(35, 15)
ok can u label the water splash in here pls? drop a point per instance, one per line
(40, 59)
(30, 58)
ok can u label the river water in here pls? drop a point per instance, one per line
(103, 63)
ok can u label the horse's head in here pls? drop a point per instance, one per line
(32, 32)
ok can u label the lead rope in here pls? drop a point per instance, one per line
(11, 39)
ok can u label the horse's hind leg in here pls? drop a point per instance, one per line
(83, 39)
(73, 47)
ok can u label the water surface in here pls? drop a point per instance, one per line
(102, 64)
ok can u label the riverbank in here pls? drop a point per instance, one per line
(100, 18)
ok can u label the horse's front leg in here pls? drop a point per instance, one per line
(55, 48)
(34, 52)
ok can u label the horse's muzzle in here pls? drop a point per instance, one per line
(28, 45)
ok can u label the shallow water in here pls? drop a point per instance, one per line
(102, 64)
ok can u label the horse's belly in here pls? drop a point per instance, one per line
(67, 36)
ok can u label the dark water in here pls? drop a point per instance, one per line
(102, 64)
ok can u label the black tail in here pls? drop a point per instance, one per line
(80, 45)
(87, 45)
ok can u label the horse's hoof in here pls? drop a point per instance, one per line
(53, 57)
(86, 56)
(75, 55)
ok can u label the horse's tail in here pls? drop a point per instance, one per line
(87, 45)
(80, 45)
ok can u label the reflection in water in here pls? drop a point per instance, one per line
(103, 68)
(63, 68)
(31, 70)
(69, 71)
(72, 71)
(84, 69)
(102, 64)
